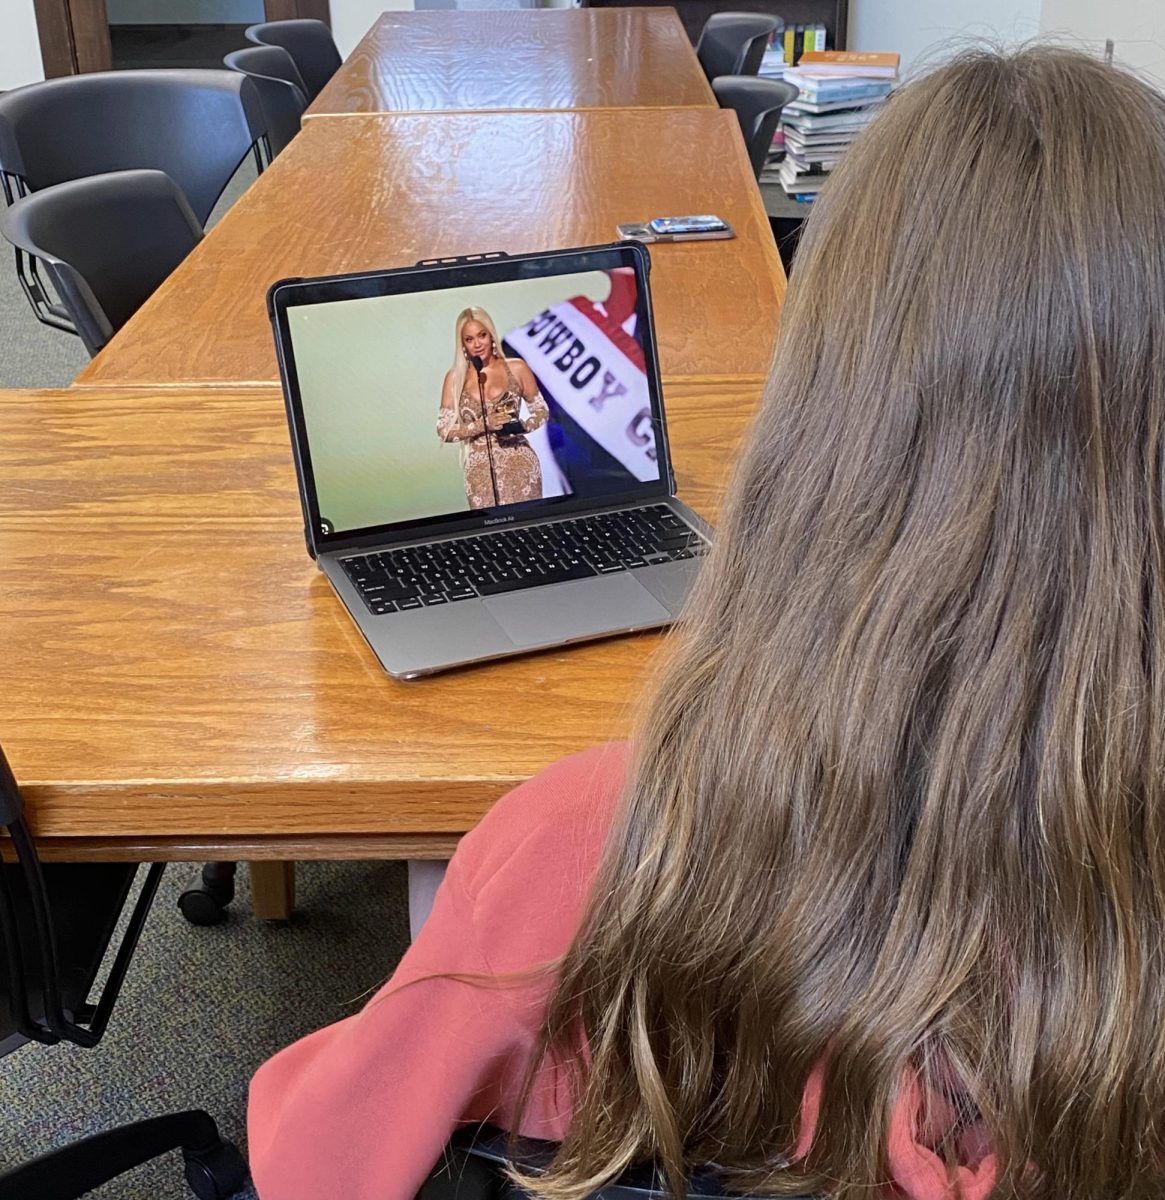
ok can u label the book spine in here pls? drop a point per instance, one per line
(790, 42)
(819, 37)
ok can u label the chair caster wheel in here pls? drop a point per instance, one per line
(205, 902)
(216, 1174)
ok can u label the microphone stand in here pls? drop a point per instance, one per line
(477, 366)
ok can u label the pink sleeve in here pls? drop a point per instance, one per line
(362, 1108)
(917, 1171)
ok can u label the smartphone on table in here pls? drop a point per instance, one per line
(676, 229)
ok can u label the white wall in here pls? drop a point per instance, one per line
(1136, 27)
(352, 19)
(924, 30)
(19, 48)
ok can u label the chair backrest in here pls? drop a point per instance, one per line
(281, 88)
(733, 43)
(757, 104)
(195, 125)
(473, 1168)
(106, 242)
(309, 42)
(56, 924)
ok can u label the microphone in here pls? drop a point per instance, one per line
(478, 363)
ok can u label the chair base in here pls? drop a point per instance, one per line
(215, 1170)
(205, 901)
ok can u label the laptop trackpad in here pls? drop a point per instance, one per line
(605, 604)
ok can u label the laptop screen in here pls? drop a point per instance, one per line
(395, 392)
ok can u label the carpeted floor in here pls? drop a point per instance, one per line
(201, 1008)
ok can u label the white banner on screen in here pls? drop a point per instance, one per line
(594, 379)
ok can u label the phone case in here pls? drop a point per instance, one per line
(638, 231)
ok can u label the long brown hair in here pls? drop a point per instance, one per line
(897, 801)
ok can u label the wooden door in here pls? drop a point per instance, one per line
(288, 10)
(74, 34)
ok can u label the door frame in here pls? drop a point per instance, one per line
(74, 34)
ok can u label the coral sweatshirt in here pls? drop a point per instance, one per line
(362, 1109)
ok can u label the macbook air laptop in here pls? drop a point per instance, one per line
(482, 453)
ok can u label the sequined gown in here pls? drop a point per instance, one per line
(519, 475)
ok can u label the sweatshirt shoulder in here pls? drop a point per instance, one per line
(559, 814)
(532, 858)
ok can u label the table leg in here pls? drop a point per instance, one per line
(272, 890)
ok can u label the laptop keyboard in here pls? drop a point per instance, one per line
(511, 559)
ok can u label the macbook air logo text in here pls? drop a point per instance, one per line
(497, 520)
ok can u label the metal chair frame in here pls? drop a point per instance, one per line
(87, 1026)
(46, 310)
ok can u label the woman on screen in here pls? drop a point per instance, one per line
(874, 904)
(481, 409)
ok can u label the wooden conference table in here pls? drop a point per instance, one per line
(353, 194)
(180, 682)
(525, 59)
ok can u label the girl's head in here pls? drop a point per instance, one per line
(897, 808)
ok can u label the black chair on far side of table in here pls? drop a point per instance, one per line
(757, 104)
(473, 1168)
(309, 43)
(281, 89)
(733, 43)
(105, 244)
(57, 922)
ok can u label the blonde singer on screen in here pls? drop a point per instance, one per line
(500, 465)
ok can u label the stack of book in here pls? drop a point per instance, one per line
(841, 93)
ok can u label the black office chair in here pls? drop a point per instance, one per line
(757, 104)
(105, 243)
(473, 1168)
(308, 42)
(733, 43)
(197, 126)
(56, 923)
(281, 89)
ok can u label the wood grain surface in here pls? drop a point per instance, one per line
(352, 195)
(179, 676)
(433, 61)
